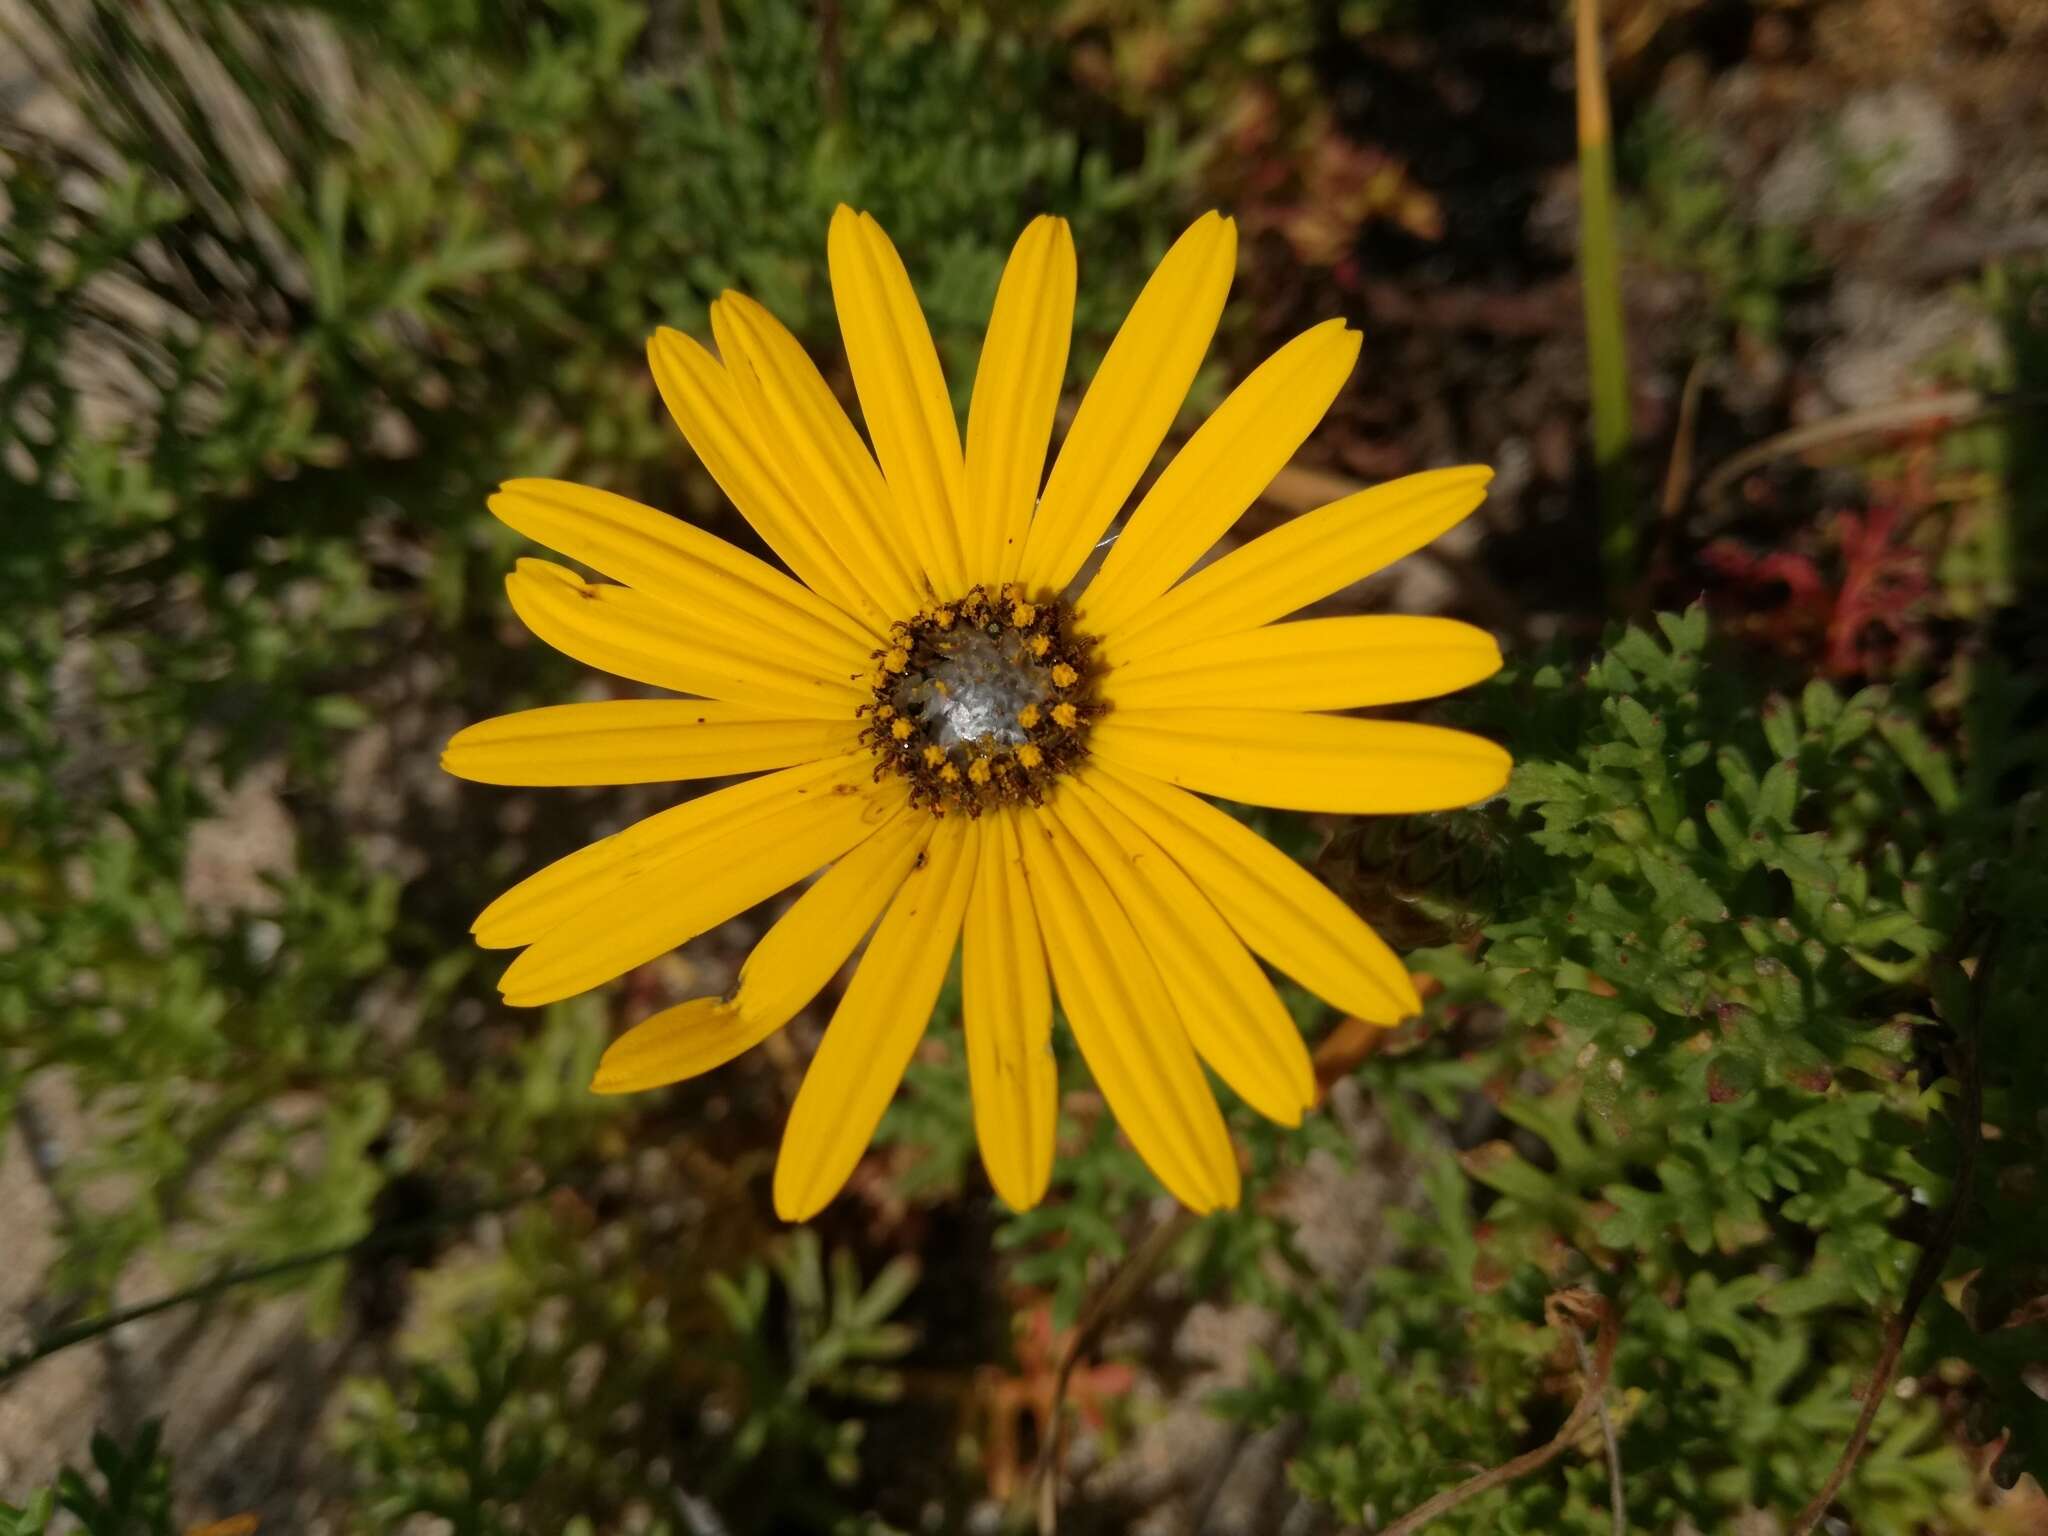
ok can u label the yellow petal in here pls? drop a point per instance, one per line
(705, 579)
(677, 1043)
(1340, 663)
(1016, 396)
(1233, 1017)
(1232, 457)
(1132, 401)
(639, 741)
(1305, 762)
(747, 463)
(629, 634)
(820, 456)
(875, 1028)
(1126, 1026)
(544, 900)
(789, 967)
(902, 389)
(808, 944)
(1275, 905)
(1297, 563)
(699, 881)
(1006, 1006)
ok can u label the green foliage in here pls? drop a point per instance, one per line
(738, 1394)
(1687, 220)
(839, 1343)
(129, 1496)
(467, 1446)
(1697, 1036)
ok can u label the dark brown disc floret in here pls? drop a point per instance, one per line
(983, 701)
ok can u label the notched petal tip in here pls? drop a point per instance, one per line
(655, 1052)
(1406, 1005)
(452, 759)
(796, 1206)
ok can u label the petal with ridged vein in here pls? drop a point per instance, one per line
(639, 741)
(790, 966)
(1016, 397)
(902, 389)
(1302, 561)
(820, 455)
(1125, 1024)
(1284, 913)
(628, 634)
(1131, 402)
(1006, 1008)
(700, 880)
(1302, 762)
(1220, 471)
(1339, 663)
(1234, 1018)
(876, 1027)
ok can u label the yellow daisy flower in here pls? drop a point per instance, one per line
(976, 747)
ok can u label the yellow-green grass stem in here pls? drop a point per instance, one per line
(1600, 282)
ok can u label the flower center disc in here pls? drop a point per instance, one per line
(984, 701)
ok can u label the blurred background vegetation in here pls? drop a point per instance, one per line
(1732, 1067)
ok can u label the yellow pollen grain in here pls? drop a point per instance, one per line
(897, 659)
(933, 756)
(901, 730)
(886, 712)
(1039, 644)
(1028, 716)
(1022, 614)
(1029, 756)
(1064, 676)
(949, 774)
(1065, 716)
(978, 771)
(944, 618)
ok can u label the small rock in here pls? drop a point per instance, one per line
(1892, 337)
(1891, 152)
(232, 859)
(1797, 186)
(1904, 140)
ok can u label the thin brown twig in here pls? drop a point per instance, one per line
(1678, 473)
(1679, 476)
(1933, 1258)
(1111, 1297)
(1617, 1500)
(1955, 405)
(1567, 1311)
(379, 1240)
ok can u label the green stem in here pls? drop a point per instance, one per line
(1600, 280)
(228, 1279)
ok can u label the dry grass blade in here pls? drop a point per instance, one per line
(1955, 406)
(1111, 1297)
